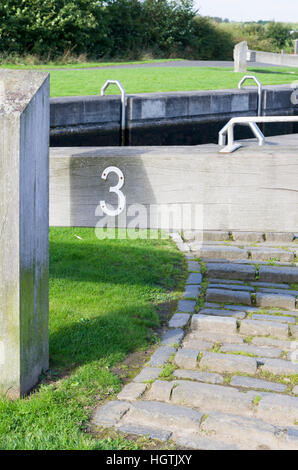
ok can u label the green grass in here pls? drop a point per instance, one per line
(104, 299)
(72, 82)
(158, 79)
(80, 65)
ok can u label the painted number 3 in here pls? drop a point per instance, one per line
(114, 189)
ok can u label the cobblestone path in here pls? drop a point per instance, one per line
(225, 375)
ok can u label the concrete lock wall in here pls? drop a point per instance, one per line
(24, 207)
(180, 118)
(273, 58)
(253, 189)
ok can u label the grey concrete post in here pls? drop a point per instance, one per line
(240, 57)
(24, 183)
(296, 46)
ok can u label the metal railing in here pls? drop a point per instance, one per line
(123, 106)
(260, 90)
(228, 130)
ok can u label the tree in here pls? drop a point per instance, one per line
(279, 33)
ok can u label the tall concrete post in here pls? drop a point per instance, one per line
(24, 207)
(240, 57)
(296, 46)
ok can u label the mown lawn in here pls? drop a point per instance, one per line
(82, 65)
(104, 300)
(159, 79)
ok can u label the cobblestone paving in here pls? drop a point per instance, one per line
(225, 375)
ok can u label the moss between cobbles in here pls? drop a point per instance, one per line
(216, 347)
(248, 339)
(238, 353)
(167, 371)
(256, 400)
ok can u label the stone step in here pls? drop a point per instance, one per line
(228, 363)
(251, 349)
(228, 296)
(201, 442)
(231, 271)
(278, 318)
(278, 291)
(280, 366)
(266, 254)
(264, 328)
(285, 345)
(228, 252)
(277, 409)
(164, 415)
(253, 433)
(248, 272)
(210, 398)
(223, 313)
(218, 252)
(278, 274)
(235, 287)
(198, 429)
(253, 383)
(213, 324)
(214, 337)
(219, 236)
(284, 301)
(199, 376)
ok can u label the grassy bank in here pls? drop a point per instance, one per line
(105, 298)
(72, 82)
(158, 79)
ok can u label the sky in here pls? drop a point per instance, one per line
(252, 10)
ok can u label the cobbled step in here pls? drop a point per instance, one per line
(209, 398)
(236, 362)
(251, 349)
(252, 383)
(228, 296)
(266, 254)
(201, 442)
(164, 415)
(222, 313)
(278, 274)
(218, 252)
(264, 328)
(253, 433)
(242, 272)
(271, 407)
(248, 272)
(228, 363)
(212, 324)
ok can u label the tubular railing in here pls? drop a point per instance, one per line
(123, 106)
(228, 130)
(260, 90)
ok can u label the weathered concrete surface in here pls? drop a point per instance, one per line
(163, 178)
(287, 60)
(24, 186)
(240, 57)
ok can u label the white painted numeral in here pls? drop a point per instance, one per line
(114, 189)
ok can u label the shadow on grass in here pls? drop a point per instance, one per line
(105, 298)
(115, 263)
(272, 72)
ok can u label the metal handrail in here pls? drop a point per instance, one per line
(260, 89)
(228, 129)
(123, 105)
